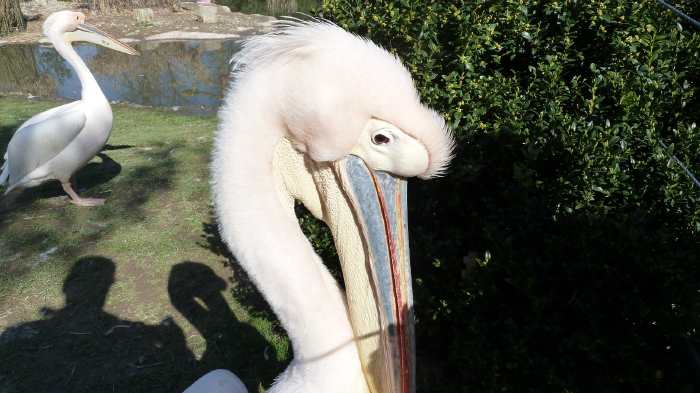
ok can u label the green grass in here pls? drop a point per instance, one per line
(85, 303)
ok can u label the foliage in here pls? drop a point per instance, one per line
(564, 241)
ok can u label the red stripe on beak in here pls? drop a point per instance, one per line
(396, 281)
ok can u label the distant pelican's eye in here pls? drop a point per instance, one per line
(380, 139)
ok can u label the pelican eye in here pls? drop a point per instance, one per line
(380, 139)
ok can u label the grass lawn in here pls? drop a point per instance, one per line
(136, 295)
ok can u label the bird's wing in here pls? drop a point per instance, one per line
(57, 111)
(42, 137)
(42, 116)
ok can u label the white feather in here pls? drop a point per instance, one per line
(318, 86)
(328, 83)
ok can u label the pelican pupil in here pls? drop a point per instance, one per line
(380, 139)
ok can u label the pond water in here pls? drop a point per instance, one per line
(190, 75)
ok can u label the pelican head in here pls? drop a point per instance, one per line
(346, 128)
(70, 26)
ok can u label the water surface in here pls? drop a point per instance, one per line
(188, 75)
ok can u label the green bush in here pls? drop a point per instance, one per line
(562, 251)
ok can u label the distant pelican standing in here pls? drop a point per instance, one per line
(55, 144)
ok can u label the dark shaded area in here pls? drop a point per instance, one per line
(602, 302)
(6, 133)
(196, 291)
(109, 147)
(81, 348)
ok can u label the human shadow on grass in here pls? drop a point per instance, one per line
(196, 291)
(82, 348)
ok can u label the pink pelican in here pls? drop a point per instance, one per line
(53, 145)
(319, 115)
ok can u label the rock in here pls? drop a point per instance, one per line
(224, 9)
(143, 15)
(188, 5)
(207, 13)
(34, 9)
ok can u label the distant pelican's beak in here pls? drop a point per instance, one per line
(379, 202)
(89, 33)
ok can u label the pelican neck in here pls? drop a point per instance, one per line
(89, 87)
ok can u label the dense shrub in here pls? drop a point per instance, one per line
(562, 251)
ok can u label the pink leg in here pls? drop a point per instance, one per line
(75, 199)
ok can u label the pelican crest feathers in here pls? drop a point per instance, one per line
(329, 71)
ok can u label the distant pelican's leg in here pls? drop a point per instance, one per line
(76, 200)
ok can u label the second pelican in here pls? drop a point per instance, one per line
(55, 144)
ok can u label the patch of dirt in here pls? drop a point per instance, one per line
(123, 24)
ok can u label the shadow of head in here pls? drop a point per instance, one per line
(88, 282)
(196, 292)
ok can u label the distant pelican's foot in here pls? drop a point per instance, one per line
(77, 200)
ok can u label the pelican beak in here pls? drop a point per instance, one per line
(378, 200)
(90, 33)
